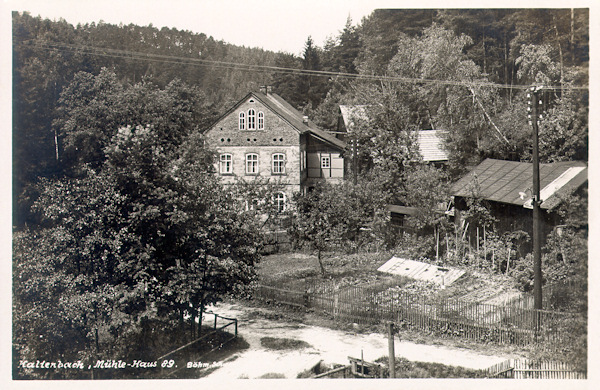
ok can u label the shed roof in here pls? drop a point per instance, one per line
(431, 146)
(511, 181)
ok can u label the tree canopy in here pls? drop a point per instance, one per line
(146, 231)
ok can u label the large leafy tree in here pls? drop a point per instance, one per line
(344, 215)
(93, 107)
(145, 232)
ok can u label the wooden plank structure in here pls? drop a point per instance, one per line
(528, 369)
(419, 270)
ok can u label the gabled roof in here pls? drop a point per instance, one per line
(295, 118)
(288, 113)
(511, 182)
(430, 141)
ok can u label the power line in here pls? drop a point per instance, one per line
(132, 55)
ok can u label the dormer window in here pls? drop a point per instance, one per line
(251, 119)
(242, 121)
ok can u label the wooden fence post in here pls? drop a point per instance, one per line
(392, 355)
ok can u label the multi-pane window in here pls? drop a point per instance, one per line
(226, 164)
(252, 163)
(325, 162)
(279, 200)
(242, 121)
(261, 120)
(251, 119)
(278, 164)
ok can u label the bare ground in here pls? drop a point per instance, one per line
(330, 346)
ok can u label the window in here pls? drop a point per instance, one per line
(242, 121)
(278, 164)
(226, 164)
(261, 120)
(254, 204)
(251, 119)
(252, 164)
(279, 200)
(325, 162)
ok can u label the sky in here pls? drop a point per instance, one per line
(272, 25)
(282, 25)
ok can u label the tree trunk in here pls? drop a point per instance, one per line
(508, 262)
(202, 305)
(437, 244)
(484, 58)
(560, 53)
(572, 36)
(484, 244)
(477, 240)
(181, 321)
(320, 262)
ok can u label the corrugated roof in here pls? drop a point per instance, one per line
(511, 181)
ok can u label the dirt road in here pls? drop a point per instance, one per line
(331, 346)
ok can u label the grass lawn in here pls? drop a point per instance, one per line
(301, 271)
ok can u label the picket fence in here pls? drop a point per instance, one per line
(503, 324)
(527, 369)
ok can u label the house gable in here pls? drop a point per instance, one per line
(276, 130)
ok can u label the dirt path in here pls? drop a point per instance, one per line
(331, 346)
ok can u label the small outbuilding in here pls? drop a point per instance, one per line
(506, 186)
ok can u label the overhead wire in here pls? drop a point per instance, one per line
(132, 55)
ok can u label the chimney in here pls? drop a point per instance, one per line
(266, 89)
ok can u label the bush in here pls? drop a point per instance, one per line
(415, 247)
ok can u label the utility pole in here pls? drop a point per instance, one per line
(534, 116)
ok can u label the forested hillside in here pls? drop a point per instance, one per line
(508, 48)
